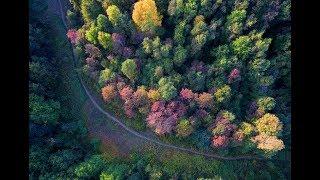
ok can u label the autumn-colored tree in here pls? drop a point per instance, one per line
(234, 75)
(154, 95)
(118, 42)
(145, 15)
(192, 65)
(247, 128)
(269, 124)
(164, 117)
(187, 94)
(126, 93)
(270, 144)
(92, 50)
(109, 92)
(73, 36)
(223, 93)
(205, 100)
(223, 129)
(238, 136)
(140, 97)
(92, 62)
(219, 141)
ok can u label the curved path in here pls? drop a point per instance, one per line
(137, 134)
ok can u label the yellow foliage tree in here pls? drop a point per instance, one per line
(269, 124)
(145, 15)
(154, 95)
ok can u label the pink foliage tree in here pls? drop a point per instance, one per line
(73, 36)
(234, 75)
(220, 141)
(223, 130)
(92, 50)
(163, 117)
(186, 94)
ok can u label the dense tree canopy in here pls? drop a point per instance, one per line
(213, 75)
(212, 57)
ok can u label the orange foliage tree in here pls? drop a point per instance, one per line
(145, 15)
(205, 100)
(108, 92)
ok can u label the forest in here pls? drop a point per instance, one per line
(212, 76)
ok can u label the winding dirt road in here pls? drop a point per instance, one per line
(147, 139)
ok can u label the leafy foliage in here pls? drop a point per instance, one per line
(210, 74)
(145, 15)
(129, 69)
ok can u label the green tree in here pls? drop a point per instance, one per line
(180, 55)
(129, 69)
(184, 128)
(91, 167)
(200, 34)
(266, 103)
(105, 75)
(180, 32)
(167, 89)
(105, 40)
(43, 111)
(103, 24)
(114, 15)
(115, 171)
(92, 34)
(196, 80)
(90, 9)
(242, 46)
